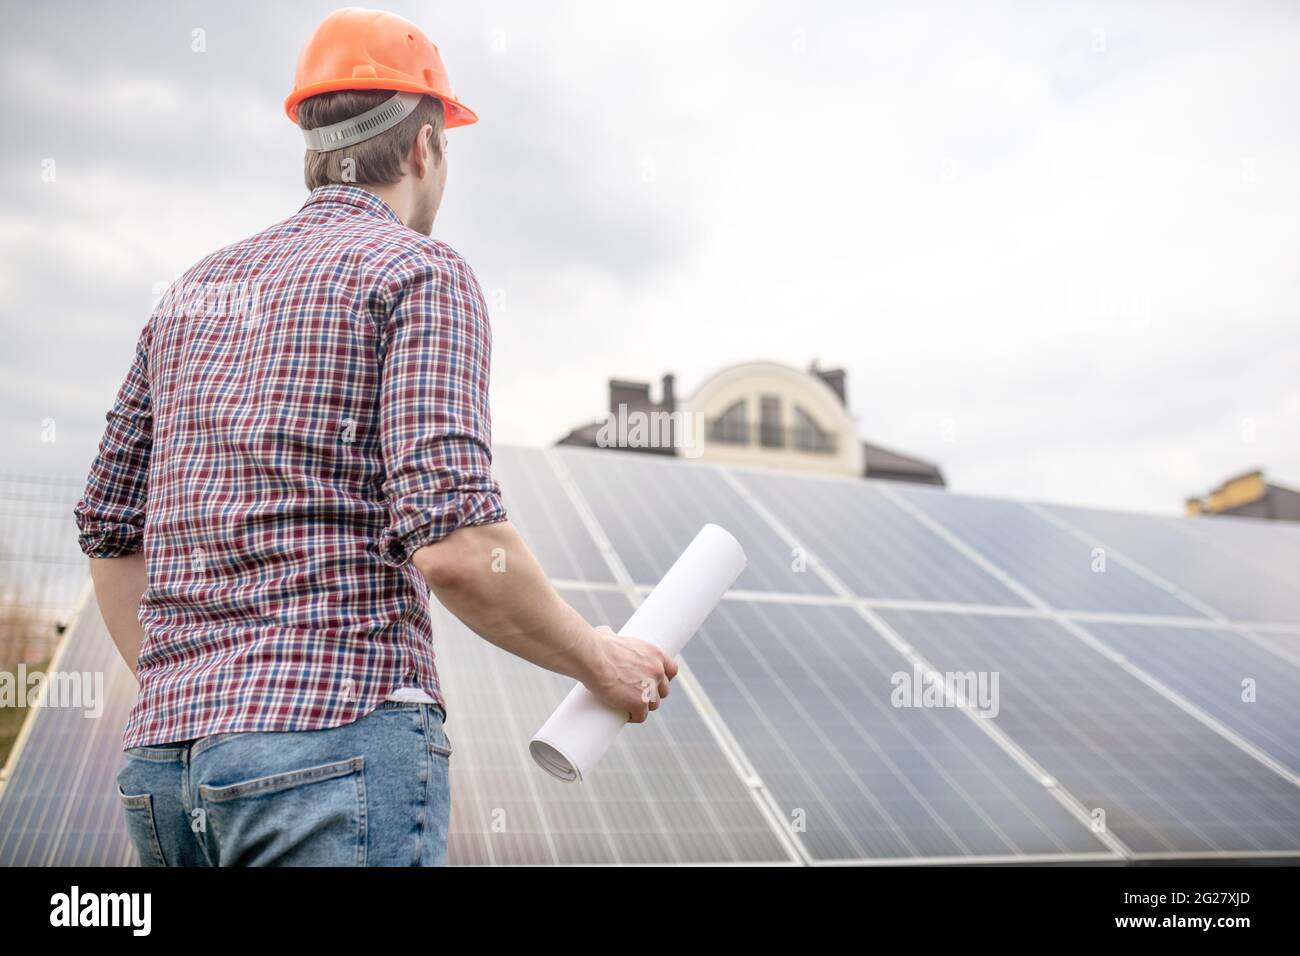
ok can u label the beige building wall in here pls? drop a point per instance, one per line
(748, 383)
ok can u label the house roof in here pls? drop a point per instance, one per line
(880, 462)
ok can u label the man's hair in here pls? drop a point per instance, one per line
(372, 162)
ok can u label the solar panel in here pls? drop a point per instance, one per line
(1275, 544)
(545, 517)
(1242, 587)
(806, 690)
(1244, 685)
(784, 740)
(1166, 783)
(872, 545)
(665, 793)
(1059, 567)
(60, 806)
(651, 509)
(1284, 645)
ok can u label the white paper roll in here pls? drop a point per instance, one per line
(576, 736)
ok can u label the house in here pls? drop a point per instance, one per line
(754, 413)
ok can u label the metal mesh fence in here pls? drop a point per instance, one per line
(42, 571)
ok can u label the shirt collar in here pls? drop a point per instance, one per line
(352, 196)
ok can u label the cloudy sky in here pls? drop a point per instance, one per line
(1054, 245)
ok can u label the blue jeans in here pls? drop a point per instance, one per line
(375, 792)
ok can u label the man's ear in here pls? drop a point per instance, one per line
(421, 156)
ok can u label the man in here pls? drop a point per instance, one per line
(299, 454)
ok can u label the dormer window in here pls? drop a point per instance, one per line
(809, 436)
(732, 426)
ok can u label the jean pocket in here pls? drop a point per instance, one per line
(140, 827)
(315, 816)
(156, 753)
(435, 733)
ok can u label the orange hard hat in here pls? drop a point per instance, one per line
(359, 49)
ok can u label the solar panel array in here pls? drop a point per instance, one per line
(59, 806)
(900, 675)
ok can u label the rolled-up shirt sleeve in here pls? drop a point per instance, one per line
(110, 515)
(435, 422)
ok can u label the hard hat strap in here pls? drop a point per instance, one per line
(357, 129)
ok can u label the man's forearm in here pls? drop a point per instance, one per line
(487, 577)
(119, 585)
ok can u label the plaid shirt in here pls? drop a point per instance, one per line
(305, 410)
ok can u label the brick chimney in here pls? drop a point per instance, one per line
(635, 395)
(836, 378)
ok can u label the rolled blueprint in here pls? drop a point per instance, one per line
(576, 736)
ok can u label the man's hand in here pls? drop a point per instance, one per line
(487, 577)
(629, 674)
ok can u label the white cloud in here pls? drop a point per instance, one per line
(1070, 229)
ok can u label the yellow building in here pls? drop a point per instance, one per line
(1249, 495)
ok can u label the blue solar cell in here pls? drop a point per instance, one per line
(808, 692)
(1060, 568)
(1284, 645)
(1275, 544)
(1240, 585)
(60, 805)
(652, 509)
(1166, 783)
(545, 517)
(665, 793)
(876, 548)
(1243, 685)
